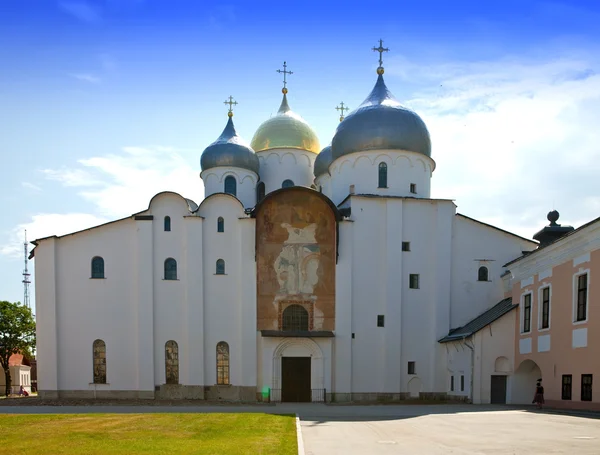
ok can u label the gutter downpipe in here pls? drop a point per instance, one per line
(472, 348)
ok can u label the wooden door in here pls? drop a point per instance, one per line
(295, 379)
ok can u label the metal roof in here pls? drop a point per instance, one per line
(481, 321)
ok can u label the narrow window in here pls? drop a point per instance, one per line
(527, 313)
(405, 246)
(413, 188)
(287, 183)
(582, 297)
(586, 387)
(172, 362)
(411, 368)
(99, 362)
(567, 386)
(230, 185)
(222, 363)
(545, 308)
(170, 269)
(451, 383)
(382, 175)
(320, 188)
(97, 267)
(483, 274)
(413, 281)
(462, 382)
(260, 192)
(167, 223)
(220, 267)
(380, 320)
(294, 318)
(220, 224)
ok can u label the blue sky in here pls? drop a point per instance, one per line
(103, 103)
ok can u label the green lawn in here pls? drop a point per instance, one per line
(88, 434)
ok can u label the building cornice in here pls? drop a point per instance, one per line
(575, 245)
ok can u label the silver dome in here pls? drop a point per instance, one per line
(381, 122)
(323, 161)
(229, 150)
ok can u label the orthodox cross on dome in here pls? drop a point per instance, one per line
(231, 103)
(342, 108)
(381, 50)
(285, 72)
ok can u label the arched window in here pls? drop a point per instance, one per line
(171, 362)
(260, 192)
(382, 175)
(99, 362)
(222, 363)
(220, 267)
(97, 267)
(287, 183)
(170, 269)
(483, 274)
(231, 185)
(167, 223)
(295, 317)
(220, 224)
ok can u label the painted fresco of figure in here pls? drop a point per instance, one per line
(297, 264)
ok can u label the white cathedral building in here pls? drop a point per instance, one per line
(304, 274)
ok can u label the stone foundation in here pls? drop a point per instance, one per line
(179, 392)
(230, 393)
(368, 397)
(97, 394)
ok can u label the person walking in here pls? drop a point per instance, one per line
(538, 398)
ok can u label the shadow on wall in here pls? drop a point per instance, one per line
(524, 379)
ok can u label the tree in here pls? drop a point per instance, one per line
(17, 335)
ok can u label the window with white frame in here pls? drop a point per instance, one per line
(526, 313)
(544, 308)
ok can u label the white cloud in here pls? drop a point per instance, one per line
(120, 184)
(44, 225)
(514, 138)
(31, 186)
(72, 177)
(81, 10)
(115, 185)
(86, 77)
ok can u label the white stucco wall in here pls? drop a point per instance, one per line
(88, 309)
(495, 348)
(135, 311)
(229, 299)
(277, 165)
(214, 182)
(380, 286)
(361, 169)
(473, 245)
(493, 355)
(323, 184)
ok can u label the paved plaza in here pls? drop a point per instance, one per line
(433, 430)
(407, 429)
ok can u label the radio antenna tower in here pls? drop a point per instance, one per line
(26, 275)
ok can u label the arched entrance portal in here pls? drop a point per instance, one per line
(298, 369)
(524, 379)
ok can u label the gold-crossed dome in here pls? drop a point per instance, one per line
(285, 130)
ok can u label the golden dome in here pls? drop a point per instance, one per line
(285, 130)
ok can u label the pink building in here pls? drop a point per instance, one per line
(557, 331)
